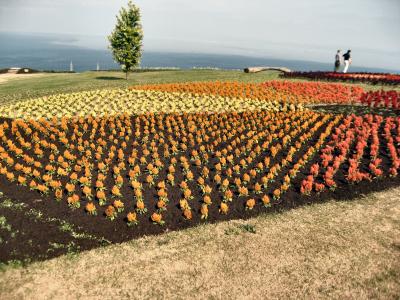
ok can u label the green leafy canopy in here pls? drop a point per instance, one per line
(126, 38)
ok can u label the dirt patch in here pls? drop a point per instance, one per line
(355, 109)
(7, 77)
(27, 231)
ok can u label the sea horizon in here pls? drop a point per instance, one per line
(45, 53)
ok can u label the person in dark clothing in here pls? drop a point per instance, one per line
(338, 60)
(347, 60)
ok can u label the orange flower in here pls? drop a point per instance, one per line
(150, 180)
(243, 191)
(32, 185)
(224, 208)
(36, 173)
(73, 176)
(217, 179)
(91, 209)
(84, 180)
(225, 183)
(110, 212)
(138, 193)
(10, 176)
(170, 178)
(265, 200)
(189, 176)
(55, 184)
(161, 204)
(73, 201)
(99, 185)
(187, 194)
(204, 211)
(101, 195)
(207, 189)
(87, 191)
(246, 177)
(131, 218)
(136, 184)
(157, 218)
(70, 187)
(183, 204)
(140, 207)
(119, 180)
(228, 195)
(207, 200)
(162, 194)
(115, 191)
(188, 214)
(183, 185)
(46, 177)
(161, 185)
(101, 166)
(250, 203)
(257, 188)
(58, 194)
(119, 205)
(171, 169)
(22, 180)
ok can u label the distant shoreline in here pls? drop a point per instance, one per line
(41, 53)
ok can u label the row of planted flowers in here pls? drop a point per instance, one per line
(280, 90)
(111, 102)
(360, 143)
(387, 99)
(198, 97)
(372, 78)
(147, 167)
(277, 90)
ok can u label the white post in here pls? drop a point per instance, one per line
(98, 67)
(71, 67)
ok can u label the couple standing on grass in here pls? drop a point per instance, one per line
(339, 58)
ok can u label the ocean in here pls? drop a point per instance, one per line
(47, 53)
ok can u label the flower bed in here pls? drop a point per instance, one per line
(111, 102)
(372, 78)
(387, 99)
(279, 91)
(124, 176)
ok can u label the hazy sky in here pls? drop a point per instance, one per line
(292, 29)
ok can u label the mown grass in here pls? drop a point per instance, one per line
(335, 250)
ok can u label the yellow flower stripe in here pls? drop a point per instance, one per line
(111, 102)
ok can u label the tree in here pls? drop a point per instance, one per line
(126, 39)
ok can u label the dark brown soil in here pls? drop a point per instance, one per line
(30, 236)
(45, 235)
(356, 109)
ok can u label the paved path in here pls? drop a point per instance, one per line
(10, 76)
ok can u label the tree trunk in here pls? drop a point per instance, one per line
(259, 69)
